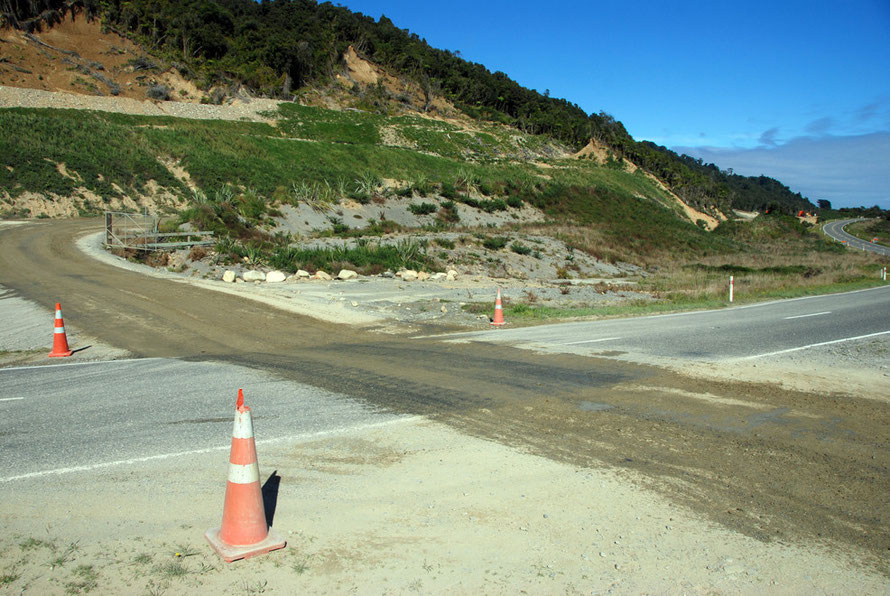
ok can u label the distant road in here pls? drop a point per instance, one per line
(835, 229)
(746, 332)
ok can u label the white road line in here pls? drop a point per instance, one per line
(2, 370)
(11, 398)
(163, 456)
(590, 341)
(815, 314)
(824, 343)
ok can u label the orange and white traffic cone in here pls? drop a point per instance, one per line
(60, 338)
(498, 311)
(244, 532)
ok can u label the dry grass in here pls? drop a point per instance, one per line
(774, 273)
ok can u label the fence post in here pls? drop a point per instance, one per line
(730, 287)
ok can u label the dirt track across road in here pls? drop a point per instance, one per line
(776, 465)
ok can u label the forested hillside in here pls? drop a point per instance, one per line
(276, 47)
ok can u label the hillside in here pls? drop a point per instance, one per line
(369, 169)
(287, 49)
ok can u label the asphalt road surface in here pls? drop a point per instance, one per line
(835, 229)
(772, 463)
(748, 332)
(132, 410)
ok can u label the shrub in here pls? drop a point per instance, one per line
(422, 208)
(448, 190)
(520, 248)
(495, 243)
(493, 205)
(445, 243)
(159, 92)
(197, 253)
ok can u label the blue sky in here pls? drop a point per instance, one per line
(799, 91)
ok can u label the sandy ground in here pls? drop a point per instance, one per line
(411, 508)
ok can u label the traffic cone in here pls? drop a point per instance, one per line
(244, 532)
(498, 311)
(60, 338)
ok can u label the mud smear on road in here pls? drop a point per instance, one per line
(776, 465)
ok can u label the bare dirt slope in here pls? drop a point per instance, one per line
(76, 56)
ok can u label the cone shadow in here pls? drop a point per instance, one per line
(75, 351)
(270, 496)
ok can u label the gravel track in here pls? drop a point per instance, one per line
(16, 97)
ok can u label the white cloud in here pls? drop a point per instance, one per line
(849, 171)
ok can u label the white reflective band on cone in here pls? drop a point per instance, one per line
(244, 474)
(243, 428)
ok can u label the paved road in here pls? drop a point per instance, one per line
(754, 331)
(835, 229)
(771, 463)
(72, 417)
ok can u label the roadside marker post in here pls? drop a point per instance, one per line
(730, 287)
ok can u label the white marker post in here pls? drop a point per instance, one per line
(730, 288)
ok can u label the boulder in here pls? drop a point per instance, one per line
(423, 276)
(438, 276)
(409, 275)
(253, 275)
(451, 275)
(303, 274)
(275, 277)
(347, 274)
(322, 276)
(229, 276)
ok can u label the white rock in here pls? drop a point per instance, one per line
(438, 276)
(322, 276)
(229, 276)
(422, 276)
(254, 276)
(451, 275)
(303, 274)
(443, 309)
(292, 279)
(275, 277)
(238, 280)
(409, 275)
(354, 304)
(347, 274)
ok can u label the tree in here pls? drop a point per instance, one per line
(824, 204)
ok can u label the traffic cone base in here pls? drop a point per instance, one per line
(234, 552)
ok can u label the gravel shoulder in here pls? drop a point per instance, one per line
(414, 507)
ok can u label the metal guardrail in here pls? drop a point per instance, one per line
(140, 232)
